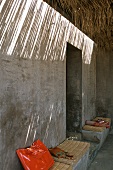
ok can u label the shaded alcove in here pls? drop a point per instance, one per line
(73, 89)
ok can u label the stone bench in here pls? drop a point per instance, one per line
(96, 134)
(80, 152)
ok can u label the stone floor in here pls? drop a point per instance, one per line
(104, 158)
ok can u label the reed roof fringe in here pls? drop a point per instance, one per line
(93, 17)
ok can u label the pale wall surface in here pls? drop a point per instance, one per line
(33, 87)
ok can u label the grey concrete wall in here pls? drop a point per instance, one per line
(89, 88)
(105, 83)
(32, 105)
(33, 79)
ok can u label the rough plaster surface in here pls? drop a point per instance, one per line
(32, 105)
(89, 89)
(33, 92)
(105, 83)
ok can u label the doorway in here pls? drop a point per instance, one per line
(73, 89)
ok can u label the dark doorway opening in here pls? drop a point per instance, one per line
(73, 89)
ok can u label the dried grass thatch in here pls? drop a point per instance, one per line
(93, 17)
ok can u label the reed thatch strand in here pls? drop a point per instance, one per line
(93, 17)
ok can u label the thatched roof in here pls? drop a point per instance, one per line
(93, 17)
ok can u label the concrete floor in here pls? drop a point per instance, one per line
(104, 158)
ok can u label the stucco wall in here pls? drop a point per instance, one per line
(32, 98)
(105, 83)
(33, 79)
(89, 89)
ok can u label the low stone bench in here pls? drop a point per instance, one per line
(96, 134)
(80, 152)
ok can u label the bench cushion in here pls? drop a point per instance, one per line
(60, 166)
(76, 148)
(93, 128)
